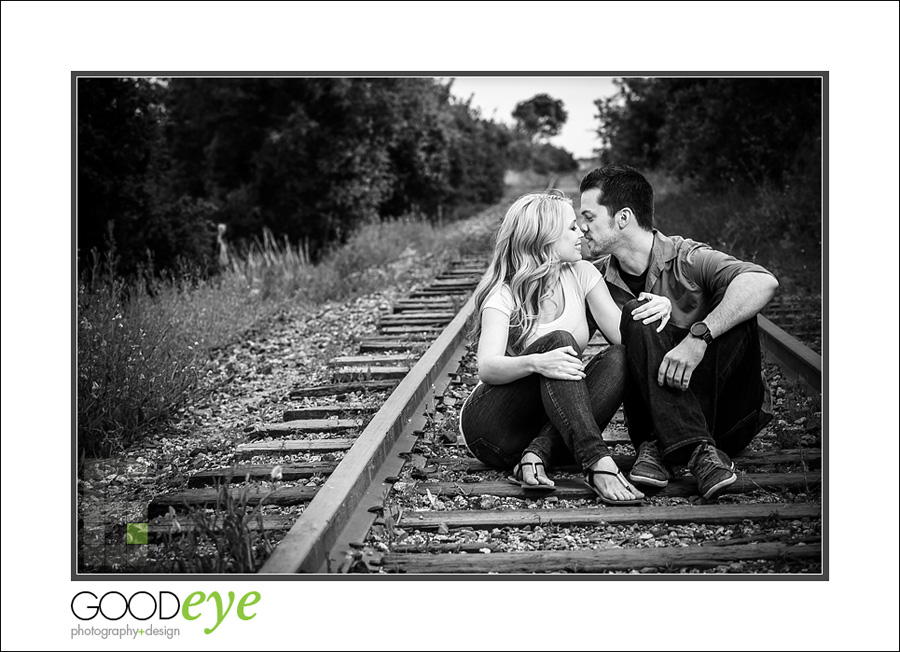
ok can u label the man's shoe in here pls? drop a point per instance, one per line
(712, 469)
(649, 467)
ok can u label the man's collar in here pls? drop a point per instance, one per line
(662, 252)
(663, 248)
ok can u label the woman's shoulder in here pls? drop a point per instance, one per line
(500, 296)
(586, 274)
(584, 266)
(501, 289)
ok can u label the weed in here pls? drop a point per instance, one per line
(218, 542)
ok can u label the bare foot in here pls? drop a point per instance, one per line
(528, 471)
(613, 487)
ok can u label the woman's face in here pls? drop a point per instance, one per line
(568, 248)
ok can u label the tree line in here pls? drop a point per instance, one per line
(162, 161)
(714, 132)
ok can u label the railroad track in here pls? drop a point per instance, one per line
(406, 497)
(801, 316)
(418, 341)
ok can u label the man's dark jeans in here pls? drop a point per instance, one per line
(721, 405)
(557, 420)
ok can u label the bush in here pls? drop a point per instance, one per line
(775, 227)
(136, 360)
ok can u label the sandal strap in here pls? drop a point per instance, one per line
(590, 473)
(517, 470)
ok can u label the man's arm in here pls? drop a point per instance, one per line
(745, 296)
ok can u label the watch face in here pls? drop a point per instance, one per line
(699, 329)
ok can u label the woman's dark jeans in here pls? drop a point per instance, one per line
(557, 420)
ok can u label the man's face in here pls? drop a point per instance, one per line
(599, 228)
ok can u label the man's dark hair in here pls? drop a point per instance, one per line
(622, 186)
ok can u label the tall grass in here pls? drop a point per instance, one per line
(144, 346)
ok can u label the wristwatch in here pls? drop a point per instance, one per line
(701, 330)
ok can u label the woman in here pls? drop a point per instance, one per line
(536, 400)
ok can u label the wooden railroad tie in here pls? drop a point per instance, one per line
(241, 472)
(350, 374)
(597, 561)
(809, 456)
(395, 344)
(338, 389)
(411, 328)
(208, 497)
(712, 514)
(409, 306)
(437, 292)
(373, 360)
(158, 531)
(680, 487)
(293, 446)
(414, 319)
(326, 411)
(304, 426)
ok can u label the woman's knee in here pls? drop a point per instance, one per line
(615, 356)
(557, 339)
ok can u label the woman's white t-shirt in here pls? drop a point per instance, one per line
(577, 280)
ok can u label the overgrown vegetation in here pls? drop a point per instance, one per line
(778, 228)
(144, 345)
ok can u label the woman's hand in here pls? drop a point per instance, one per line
(561, 364)
(656, 309)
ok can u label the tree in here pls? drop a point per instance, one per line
(540, 117)
(117, 131)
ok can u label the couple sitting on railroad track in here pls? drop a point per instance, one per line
(684, 352)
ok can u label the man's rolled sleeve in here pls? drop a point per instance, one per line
(714, 271)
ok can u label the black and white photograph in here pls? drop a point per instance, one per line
(450, 325)
(500, 324)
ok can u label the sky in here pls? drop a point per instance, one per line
(498, 96)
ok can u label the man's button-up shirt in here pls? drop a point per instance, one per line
(693, 275)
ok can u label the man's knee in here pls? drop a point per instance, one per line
(633, 329)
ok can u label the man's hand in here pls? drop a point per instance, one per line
(679, 364)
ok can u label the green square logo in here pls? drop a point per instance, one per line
(136, 533)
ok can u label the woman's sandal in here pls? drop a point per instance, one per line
(589, 479)
(518, 478)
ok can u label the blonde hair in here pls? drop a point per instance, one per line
(523, 259)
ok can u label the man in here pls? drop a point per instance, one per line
(694, 390)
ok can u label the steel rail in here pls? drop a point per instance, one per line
(307, 545)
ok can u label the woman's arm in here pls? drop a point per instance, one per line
(605, 312)
(497, 368)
